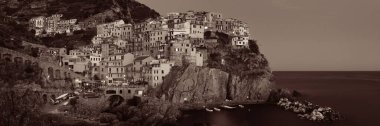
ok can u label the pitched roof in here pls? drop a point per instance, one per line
(141, 58)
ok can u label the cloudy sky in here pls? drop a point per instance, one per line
(324, 35)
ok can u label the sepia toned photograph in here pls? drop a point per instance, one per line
(189, 62)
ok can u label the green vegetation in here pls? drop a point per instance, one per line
(87, 8)
(20, 108)
(79, 38)
(139, 12)
(21, 74)
(241, 61)
(12, 34)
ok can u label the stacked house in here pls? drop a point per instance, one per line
(123, 53)
(52, 25)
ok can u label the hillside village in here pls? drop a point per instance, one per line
(125, 53)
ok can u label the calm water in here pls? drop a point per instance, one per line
(354, 94)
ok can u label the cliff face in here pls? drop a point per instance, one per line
(206, 85)
(235, 74)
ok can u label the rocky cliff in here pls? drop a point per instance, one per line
(208, 85)
(240, 75)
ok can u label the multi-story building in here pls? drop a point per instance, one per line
(180, 49)
(136, 70)
(78, 64)
(156, 39)
(213, 16)
(199, 56)
(52, 22)
(240, 41)
(115, 29)
(232, 26)
(95, 60)
(197, 30)
(76, 52)
(139, 43)
(177, 27)
(110, 49)
(37, 22)
(52, 25)
(160, 68)
(184, 51)
(66, 26)
(113, 68)
(149, 25)
(105, 28)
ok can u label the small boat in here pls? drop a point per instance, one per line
(209, 110)
(62, 96)
(227, 107)
(216, 109)
(241, 106)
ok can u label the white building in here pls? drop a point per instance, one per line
(240, 41)
(95, 60)
(113, 68)
(181, 28)
(197, 31)
(37, 22)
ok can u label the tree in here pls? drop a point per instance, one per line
(253, 46)
(34, 52)
(44, 32)
(108, 19)
(96, 77)
(33, 31)
(73, 102)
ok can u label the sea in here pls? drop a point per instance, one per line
(354, 94)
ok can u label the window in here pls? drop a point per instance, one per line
(121, 92)
(129, 91)
(162, 71)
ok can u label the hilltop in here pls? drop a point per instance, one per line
(236, 74)
(15, 14)
(78, 9)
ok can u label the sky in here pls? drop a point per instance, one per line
(302, 35)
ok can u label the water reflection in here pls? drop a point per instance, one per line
(254, 115)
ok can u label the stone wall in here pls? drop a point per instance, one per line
(51, 70)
